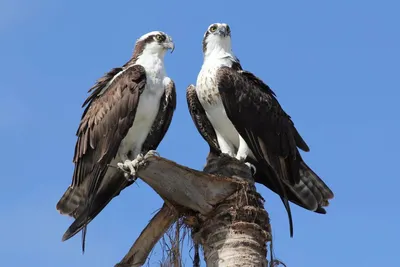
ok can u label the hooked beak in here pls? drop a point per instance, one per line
(169, 44)
(222, 31)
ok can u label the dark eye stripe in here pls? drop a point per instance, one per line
(160, 37)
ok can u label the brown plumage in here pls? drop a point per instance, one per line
(253, 109)
(272, 137)
(163, 119)
(74, 204)
(105, 123)
(200, 119)
(231, 105)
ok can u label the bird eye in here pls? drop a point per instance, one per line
(228, 29)
(213, 28)
(158, 37)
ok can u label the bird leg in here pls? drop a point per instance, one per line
(130, 167)
(243, 153)
(225, 145)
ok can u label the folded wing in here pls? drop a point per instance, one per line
(105, 122)
(269, 132)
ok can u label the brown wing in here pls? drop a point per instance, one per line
(268, 131)
(200, 119)
(104, 124)
(163, 119)
(74, 195)
(100, 86)
(117, 182)
(256, 114)
(310, 193)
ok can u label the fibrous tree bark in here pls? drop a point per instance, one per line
(236, 232)
(220, 205)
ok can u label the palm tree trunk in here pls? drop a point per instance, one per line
(220, 204)
(236, 232)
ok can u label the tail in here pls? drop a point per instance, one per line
(73, 198)
(311, 192)
(106, 193)
(74, 203)
(278, 185)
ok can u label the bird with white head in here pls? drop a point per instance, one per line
(127, 114)
(239, 115)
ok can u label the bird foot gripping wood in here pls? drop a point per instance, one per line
(130, 167)
(151, 153)
(242, 158)
(253, 169)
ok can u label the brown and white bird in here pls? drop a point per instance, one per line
(128, 113)
(239, 115)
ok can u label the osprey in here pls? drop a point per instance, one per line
(128, 113)
(239, 115)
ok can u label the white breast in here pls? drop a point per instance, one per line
(206, 86)
(149, 102)
(208, 94)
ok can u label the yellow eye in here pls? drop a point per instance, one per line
(158, 37)
(213, 28)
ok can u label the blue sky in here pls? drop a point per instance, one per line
(334, 66)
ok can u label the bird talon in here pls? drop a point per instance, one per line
(252, 168)
(152, 153)
(123, 167)
(129, 169)
(130, 178)
(139, 157)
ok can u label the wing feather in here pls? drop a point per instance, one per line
(109, 114)
(200, 119)
(105, 123)
(117, 182)
(310, 193)
(163, 120)
(244, 96)
(271, 137)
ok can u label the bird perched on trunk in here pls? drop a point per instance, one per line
(239, 115)
(128, 113)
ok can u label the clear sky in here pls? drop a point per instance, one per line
(333, 65)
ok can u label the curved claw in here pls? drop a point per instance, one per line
(130, 178)
(252, 168)
(152, 153)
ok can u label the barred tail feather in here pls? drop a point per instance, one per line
(311, 192)
(86, 213)
(70, 201)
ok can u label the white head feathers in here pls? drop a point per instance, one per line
(217, 40)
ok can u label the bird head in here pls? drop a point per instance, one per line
(217, 38)
(155, 42)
